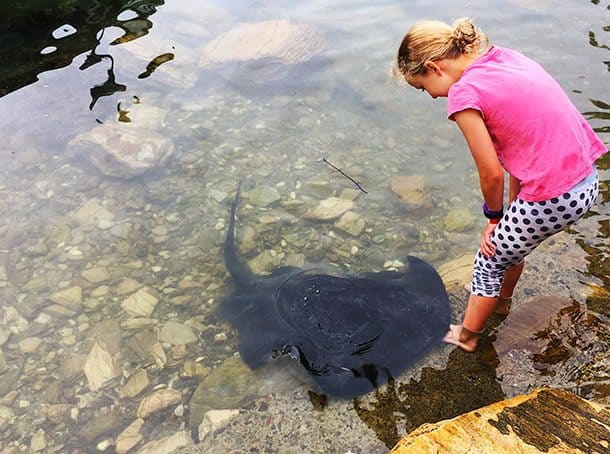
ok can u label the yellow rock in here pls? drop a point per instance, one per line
(546, 420)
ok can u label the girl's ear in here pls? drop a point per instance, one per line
(432, 67)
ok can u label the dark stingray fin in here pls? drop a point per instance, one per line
(345, 383)
(422, 278)
(239, 270)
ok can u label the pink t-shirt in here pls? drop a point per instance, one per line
(538, 134)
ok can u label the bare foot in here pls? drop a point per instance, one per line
(462, 337)
(503, 306)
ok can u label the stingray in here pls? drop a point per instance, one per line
(352, 333)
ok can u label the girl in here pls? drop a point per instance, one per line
(514, 117)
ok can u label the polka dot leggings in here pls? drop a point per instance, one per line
(524, 226)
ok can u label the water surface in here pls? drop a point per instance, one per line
(80, 237)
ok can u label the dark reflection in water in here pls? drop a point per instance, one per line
(604, 112)
(465, 384)
(109, 87)
(26, 28)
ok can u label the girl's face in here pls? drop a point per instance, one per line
(436, 80)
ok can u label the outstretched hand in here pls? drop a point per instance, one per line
(488, 248)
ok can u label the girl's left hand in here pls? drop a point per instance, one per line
(487, 247)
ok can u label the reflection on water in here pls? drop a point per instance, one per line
(117, 171)
(27, 27)
(466, 383)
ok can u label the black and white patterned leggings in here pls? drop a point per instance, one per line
(523, 227)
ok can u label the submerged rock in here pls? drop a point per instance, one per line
(100, 367)
(411, 189)
(123, 151)
(457, 273)
(459, 219)
(542, 421)
(277, 39)
(329, 209)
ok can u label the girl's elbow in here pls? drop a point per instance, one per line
(492, 179)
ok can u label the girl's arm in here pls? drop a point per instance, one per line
(491, 174)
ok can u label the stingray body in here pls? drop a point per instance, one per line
(351, 333)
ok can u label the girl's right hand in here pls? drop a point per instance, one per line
(488, 248)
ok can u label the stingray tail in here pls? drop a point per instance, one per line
(240, 272)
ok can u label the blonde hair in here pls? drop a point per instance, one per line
(434, 40)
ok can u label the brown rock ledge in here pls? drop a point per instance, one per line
(546, 420)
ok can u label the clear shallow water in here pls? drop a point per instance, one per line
(63, 217)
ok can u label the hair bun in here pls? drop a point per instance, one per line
(465, 34)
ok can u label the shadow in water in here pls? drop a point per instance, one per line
(27, 27)
(465, 384)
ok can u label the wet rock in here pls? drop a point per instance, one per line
(107, 332)
(351, 223)
(247, 240)
(233, 383)
(137, 383)
(72, 366)
(58, 412)
(90, 213)
(105, 421)
(457, 273)
(70, 298)
(140, 304)
(214, 420)
(96, 275)
(546, 420)
(130, 437)
(177, 334)
(265, 262)
(29, 345)
(121, 151)
(318, 188)
(262, 52)
(157, 401)
(100, 367)
(329, 209)
(57, 311)
(411, 189)
(168, 444)
(127, 286)
(459, 219)
(263, 196)
(550, 341)
(38, 441)
(226, 387)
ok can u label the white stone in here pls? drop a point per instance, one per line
(100, 367)
(69, 297)
(159, 400)
(29, 345)
(96, 275)
(141, 304)
(130, 437)
(329, 209)
(38, 441)
(124, 150)
(169, 444)
(278, 39)
(135, 385)
(177, 334)
(214, 420)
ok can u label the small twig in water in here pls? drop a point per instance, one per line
(357, 183)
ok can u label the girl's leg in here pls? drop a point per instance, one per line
(521, 230)
(511, 277)
(479, 310)
(466, 335)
